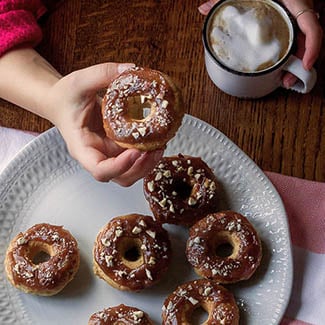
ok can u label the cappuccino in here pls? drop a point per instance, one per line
(248, 35)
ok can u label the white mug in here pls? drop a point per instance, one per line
(256, 84)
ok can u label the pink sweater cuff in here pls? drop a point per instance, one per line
(18, 26)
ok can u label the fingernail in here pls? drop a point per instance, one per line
(308, 67)
(204, 8)
(124, 66)
(289, 81)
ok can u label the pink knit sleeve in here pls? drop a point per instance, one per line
(18, 23)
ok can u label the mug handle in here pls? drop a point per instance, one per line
(306, 79)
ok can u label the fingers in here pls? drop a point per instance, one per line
(98, 76)
(310, 27)
(140, 169)
(124, 167)
(288, 80)
(206, 7)
(105, 168)
(309, 41)
(313, 41)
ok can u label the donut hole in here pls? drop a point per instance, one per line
(183, 189)
(224, 250)
(139, 107)
(224, 245)
(199, 316)
(40, 253)
(132, 254)
(130, 251)
(41, 257)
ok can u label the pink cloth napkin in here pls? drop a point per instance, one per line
(305, 205)
(11, 141)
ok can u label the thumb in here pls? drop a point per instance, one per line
(98, 76)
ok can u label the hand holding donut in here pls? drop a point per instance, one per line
(77, 115)
(309, 38)
(72, 105)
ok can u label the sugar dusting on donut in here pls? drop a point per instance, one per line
(137, 233)
(181, 190)
(47, 277)
(120, 314)
(161, 117)
(130, 85)
(218, 302)
(226, 227)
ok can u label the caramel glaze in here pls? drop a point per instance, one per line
(226, 227)
(181, 190)
(47, 277)
(120, 314)
(218, 302)
(132, 232)
(166, 109)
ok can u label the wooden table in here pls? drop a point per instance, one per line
(283, 132)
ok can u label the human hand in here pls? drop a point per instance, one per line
(76, 112)
(309, 39)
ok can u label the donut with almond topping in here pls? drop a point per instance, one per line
(181, 190)
(42, 260)
(215, 299)
(142, 109)
(225, 247)
(131, 252)
(120, 314)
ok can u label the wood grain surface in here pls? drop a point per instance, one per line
(283, 132)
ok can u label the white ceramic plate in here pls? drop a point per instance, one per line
(44, 184)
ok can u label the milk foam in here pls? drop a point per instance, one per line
(243, 42)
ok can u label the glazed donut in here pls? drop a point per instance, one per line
(142, 109)
(42, 260)
(216, 300)
(224, 247)
(181, 190)
(131, 252)
(120, 314)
